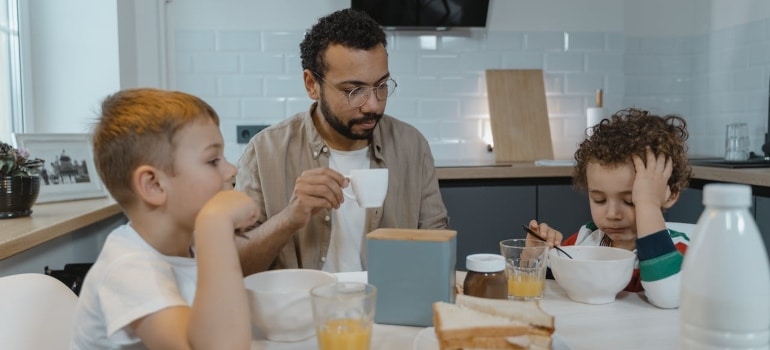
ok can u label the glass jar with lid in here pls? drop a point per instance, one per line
(486, 276)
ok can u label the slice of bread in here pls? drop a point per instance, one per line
(479, 323)
(480, 343)
(524, 311)
(458, 322)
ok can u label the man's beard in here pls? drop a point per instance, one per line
(347, 130)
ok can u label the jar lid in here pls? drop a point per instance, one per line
(485, 262)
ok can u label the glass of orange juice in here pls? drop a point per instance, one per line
(526, 262)
(343, 313)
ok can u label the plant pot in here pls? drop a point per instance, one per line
(17, 195)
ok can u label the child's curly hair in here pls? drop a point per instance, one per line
(628, 132)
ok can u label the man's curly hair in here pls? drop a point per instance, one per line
(628, 132)
(349, 28)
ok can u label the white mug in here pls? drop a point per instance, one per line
(369, 186)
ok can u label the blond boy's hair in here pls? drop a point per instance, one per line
(137, 127)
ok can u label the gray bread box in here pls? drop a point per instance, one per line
(411, 269)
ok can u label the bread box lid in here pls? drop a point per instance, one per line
(399, 234)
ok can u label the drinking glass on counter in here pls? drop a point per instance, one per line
(526, 262)
(343, 313)
(737, 142)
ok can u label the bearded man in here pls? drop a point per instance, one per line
(295, 169)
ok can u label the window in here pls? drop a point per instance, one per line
(10, 71)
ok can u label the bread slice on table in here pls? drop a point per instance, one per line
(479, 323)
(542, 323)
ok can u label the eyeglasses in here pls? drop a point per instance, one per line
(360, 94)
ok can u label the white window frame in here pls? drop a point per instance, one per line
(13, 116)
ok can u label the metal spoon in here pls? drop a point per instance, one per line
(526, 228)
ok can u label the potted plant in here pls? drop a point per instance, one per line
(19, 181)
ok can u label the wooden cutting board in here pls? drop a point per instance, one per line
(518, 115)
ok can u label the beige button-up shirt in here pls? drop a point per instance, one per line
(276, 157)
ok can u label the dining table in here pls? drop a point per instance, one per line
(629, 322)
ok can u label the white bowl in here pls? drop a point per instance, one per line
(595, 275)
(280, 302)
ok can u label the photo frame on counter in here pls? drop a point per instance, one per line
(69, 172)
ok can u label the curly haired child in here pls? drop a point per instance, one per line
(634, 166)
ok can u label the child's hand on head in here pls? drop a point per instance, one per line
(651, 180)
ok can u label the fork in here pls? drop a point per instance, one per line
(526, 228)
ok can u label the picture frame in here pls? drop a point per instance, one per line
(69, 172)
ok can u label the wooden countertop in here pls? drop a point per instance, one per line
(51, 220)
(750, 176)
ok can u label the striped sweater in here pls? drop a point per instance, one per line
(658, 265)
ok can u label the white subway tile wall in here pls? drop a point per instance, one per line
(254, 77)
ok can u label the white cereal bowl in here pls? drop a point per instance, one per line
(595, 275)
(280, 302)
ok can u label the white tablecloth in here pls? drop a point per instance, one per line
(628, 323)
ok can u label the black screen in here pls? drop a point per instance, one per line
(425, 13)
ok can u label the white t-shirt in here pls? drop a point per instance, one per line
(344, 254)
(129, 280)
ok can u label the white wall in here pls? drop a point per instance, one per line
(665, 18)
(242, 57)
(705, 59)
(240, 14)
(142, 37)
(72, 53)
(549, 15)
(728, 13)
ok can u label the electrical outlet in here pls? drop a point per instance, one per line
(244, 133)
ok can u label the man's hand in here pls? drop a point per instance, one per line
(315, 189)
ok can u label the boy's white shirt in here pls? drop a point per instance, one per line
(344, 254)
(128, 281)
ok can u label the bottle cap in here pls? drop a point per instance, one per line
(727, 195)
(485, 262)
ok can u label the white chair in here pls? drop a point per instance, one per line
(688, 229)
(36, 312)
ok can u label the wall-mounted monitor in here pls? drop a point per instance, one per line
(425, 14)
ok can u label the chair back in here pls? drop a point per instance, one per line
(36, 312)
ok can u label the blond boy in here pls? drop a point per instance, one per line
(170, 278)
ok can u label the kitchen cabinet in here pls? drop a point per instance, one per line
(484, 212)
(687, 208)
(690, 206)
(81, 245)
(562, 207)
(762, 217)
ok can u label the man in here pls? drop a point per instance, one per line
(294, 169)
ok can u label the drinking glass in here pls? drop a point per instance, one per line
(526, 262)
(343, 313)
(737, 142)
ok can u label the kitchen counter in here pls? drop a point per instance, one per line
(750, 176)
(52, 220)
